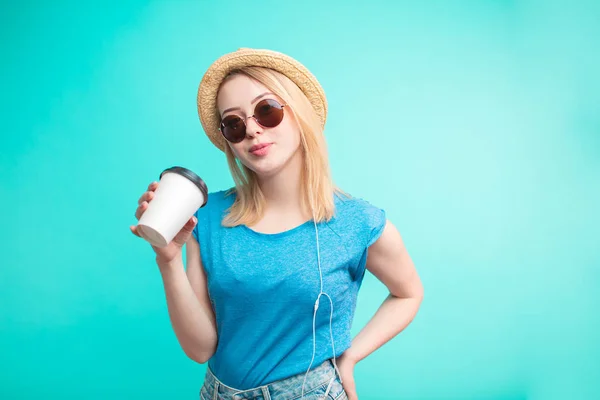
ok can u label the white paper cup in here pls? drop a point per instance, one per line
(179, 195)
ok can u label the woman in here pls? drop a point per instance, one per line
(274, 265)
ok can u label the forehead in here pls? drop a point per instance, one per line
(239, 91)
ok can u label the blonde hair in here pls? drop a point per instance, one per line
(317, 186)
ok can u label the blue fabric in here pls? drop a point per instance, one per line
(322, 382)
(263, 288)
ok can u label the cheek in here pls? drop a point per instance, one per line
(291, 134)
(235, 149)
(295, 140)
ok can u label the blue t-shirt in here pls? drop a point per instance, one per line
(263, 288)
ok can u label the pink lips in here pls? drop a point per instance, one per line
(260, 149)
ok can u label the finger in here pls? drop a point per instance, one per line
(134, 230)
(352, 395)
(140, 210)
(142, 198)
(185, 232)
(350, 389)
(147, 196)
(151, 188)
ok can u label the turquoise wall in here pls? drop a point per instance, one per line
(475, 124)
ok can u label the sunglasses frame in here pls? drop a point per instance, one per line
(253, 116)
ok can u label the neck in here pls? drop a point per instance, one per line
(283, 190)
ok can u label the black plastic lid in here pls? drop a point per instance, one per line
(192, 177)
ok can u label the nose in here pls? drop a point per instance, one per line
(252, 127)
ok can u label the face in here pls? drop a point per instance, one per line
(266, 151)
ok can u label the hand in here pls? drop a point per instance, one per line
(168, 254)
(346, 366)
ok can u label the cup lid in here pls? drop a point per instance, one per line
(192, 177)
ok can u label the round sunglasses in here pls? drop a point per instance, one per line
(268, 113)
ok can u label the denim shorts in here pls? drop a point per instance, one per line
(322, 382)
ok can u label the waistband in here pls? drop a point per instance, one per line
(290, 387)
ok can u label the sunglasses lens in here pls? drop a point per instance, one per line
(269, 113)
(233, 128)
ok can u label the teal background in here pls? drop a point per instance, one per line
(475, 124)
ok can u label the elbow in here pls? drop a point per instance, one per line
(200, 351)
(199, 354)
(420, 293)
(201, 357)
(413, 291)
(417, 290)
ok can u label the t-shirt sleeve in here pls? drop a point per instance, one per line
(201, 229)
(195, 232)
(201, 233)
(203, 215)
(373, 223)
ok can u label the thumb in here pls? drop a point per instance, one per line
(185, 232)
(350, 387)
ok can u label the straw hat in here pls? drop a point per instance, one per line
(244, 57)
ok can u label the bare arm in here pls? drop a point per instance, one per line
(190, 310)
(390, 262)
(189, 307)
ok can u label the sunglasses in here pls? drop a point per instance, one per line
(268, 113)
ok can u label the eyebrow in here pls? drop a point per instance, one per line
(252, 102)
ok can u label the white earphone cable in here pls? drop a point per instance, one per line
(316, 307)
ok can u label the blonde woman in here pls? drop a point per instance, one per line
(274, 265)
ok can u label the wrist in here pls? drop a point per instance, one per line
(167, 266)
(351, 356)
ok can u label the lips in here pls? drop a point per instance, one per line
(259, 148)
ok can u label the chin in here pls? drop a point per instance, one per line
(265, 167)
(265, 170)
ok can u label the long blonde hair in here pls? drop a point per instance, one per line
(316, 183)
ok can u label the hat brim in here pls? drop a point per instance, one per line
(209, 85)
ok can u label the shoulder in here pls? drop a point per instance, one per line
(359, 216)
(347, 206)
(211, 214)
(222, 196)
(217, 203)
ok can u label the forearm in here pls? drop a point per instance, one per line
(392, 317)
(191, 323)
